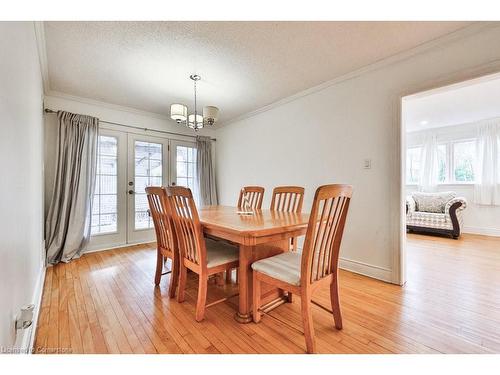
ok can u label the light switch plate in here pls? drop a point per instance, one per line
(367, 164)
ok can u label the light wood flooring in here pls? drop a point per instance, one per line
(106, 302)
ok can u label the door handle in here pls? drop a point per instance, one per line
(131, 192)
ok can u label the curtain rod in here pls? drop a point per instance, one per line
(47, 110)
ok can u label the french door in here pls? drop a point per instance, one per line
(148, 165)
(183, 165)
(127, 164)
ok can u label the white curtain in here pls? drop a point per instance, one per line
(487, 186)
(429, 168)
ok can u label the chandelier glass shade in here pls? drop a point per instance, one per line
(179, 112)
(198, 124)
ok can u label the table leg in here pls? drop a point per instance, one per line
(245, 285)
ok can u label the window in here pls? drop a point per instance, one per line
(455, 162)
(104, 206)
(413, 164)
(148, 172)
(442, 163)
(186, 167)
(463, 161)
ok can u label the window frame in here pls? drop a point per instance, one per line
(449, 163)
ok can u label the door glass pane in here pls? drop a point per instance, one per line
(186, 160)
(104, 204)
(148, 172)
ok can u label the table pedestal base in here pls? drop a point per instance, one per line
(271, 305)
(243, 318)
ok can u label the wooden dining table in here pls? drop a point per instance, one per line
(259, 235)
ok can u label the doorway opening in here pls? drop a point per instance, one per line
(451, 191)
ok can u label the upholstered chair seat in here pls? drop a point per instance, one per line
(284, 267)
(220, 252)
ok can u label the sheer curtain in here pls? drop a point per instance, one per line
(205, 172)
(487, 186)
(429, 168)
(67, 227)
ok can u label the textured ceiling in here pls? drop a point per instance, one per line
(244, 65)
(454, 105)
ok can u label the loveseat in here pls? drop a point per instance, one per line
(439, 213)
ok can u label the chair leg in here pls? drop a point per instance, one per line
(229, 274)
(334, 298)
(289, 297)
(237, 275)
(182, 282)
(256, 298)
(308, 322)
(159, 267)
(202, 297)
(174, 277)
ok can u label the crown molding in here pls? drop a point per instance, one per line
(98, 103)
(42, 54)
(419, 49)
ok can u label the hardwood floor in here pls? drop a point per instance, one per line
(106, 302)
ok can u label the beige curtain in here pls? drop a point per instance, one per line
(205, 172)
(67, 227)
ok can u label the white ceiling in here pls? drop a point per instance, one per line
(244, 65)
(458, 104)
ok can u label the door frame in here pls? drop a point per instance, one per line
(142, 235)
(100, 242)
(118, 238)
(399, 169)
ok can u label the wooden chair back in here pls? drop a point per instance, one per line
(287, 199)
(187, 225)
(253, 195)
(160, 211)
(320, 255)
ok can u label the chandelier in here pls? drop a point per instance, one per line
(179, 112)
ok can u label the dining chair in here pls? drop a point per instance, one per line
(166, 242)
(288, 199)
(205, 257)
(253, 195)
(317, 266)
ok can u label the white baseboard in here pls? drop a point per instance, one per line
(95, 249)
(370, 270)
(365, 269)
(111, 247)
(495, 232)
(27, 340)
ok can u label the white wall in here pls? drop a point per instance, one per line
(478, 219)
(324, 136)
(21, 190)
